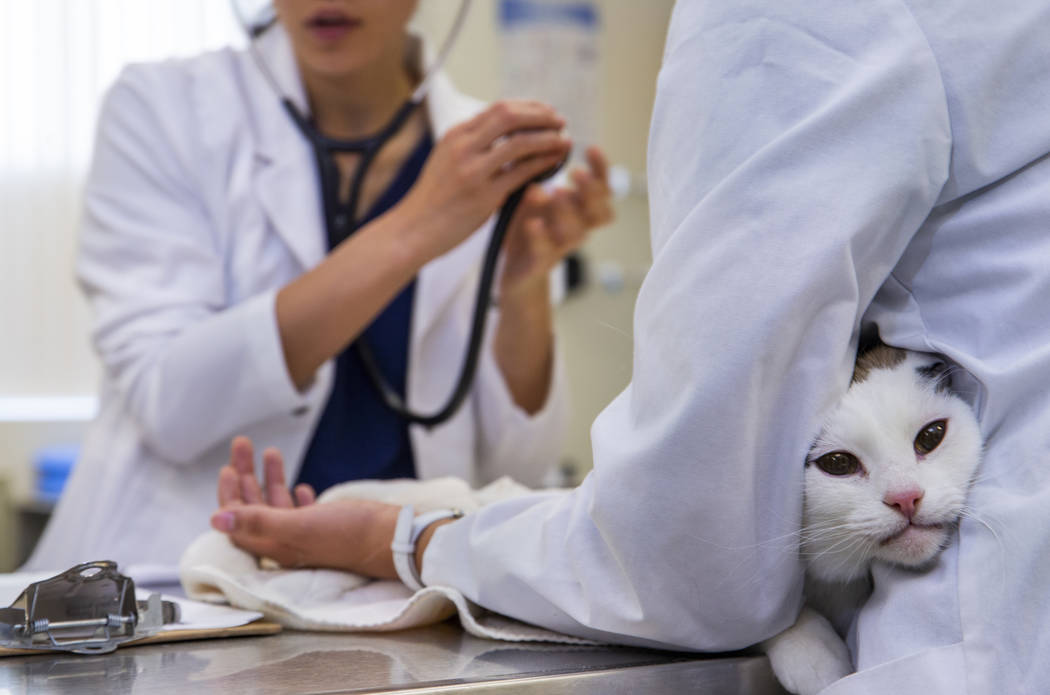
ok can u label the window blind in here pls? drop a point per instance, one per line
(56, 60)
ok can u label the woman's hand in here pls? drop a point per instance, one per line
(467, 176)
(545, 229)
(350, 535)
(238, 484)
(550, 225)
(475, 166)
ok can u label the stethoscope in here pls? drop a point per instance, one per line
(338, 226)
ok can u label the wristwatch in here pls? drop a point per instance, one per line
(406, 534)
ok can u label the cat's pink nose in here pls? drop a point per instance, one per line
(904, 499)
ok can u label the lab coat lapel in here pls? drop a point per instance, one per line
(286, 180)
(289, 193)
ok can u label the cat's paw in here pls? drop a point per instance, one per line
(809, 655)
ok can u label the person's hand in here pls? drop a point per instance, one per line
(238, 484)
(476, 165)
(550, 225)
(350, 535)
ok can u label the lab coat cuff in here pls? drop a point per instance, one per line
(444, 563)
(267, 355)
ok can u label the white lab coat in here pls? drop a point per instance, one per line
(202, 202)
(814, 163)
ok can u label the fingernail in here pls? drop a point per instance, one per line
(223, 521)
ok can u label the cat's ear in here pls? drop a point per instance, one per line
(938, 372)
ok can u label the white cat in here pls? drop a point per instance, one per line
(885, 482)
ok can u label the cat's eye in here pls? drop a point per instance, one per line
(930, 437)
(838, 463)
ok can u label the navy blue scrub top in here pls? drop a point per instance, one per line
(358, 436)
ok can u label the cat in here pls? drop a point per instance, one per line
(885, 481)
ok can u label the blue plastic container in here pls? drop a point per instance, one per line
(53, 465)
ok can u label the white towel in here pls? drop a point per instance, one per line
(213, 569)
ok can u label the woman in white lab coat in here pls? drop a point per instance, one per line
(218, 312)
(814, 166)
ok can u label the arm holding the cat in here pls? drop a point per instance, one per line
(781, 199)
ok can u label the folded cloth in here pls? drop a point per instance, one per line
(213, 569)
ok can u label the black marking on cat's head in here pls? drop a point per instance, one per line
(938, 373)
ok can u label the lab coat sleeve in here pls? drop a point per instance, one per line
(191, 369)
(796, 146)
(512, 442)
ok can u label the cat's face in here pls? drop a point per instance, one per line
(887, 478)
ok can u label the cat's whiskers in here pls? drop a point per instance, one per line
(968, 512)
(849, 555)
(850, 561)
(834, 535)
(982, 477)
(775, 541)
(843, 544)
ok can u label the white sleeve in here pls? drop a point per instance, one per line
(512, 442)
(192, 370)
(796, 147)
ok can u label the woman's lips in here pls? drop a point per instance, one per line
(329, 26)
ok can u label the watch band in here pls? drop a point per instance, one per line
(406, 534)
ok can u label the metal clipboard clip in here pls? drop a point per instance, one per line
(88, 609)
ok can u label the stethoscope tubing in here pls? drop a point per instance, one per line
(468, 369)
(368, 147)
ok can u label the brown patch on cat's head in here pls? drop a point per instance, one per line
(879, 357)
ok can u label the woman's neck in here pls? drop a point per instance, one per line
(358, 104)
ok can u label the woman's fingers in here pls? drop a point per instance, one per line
(592, 197)
(518, 148)
(525, 170)
(277, 493)
(229, 487)
(236, 477)
(304, 495)
(242, 455)
(263, 531)
(598, 163)
(593, 188)
(506, 117)
(566, 224)
(251, 493)
(238, 484)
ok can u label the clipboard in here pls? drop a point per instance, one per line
(94, 609)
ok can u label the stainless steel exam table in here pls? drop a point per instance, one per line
(438, 659)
